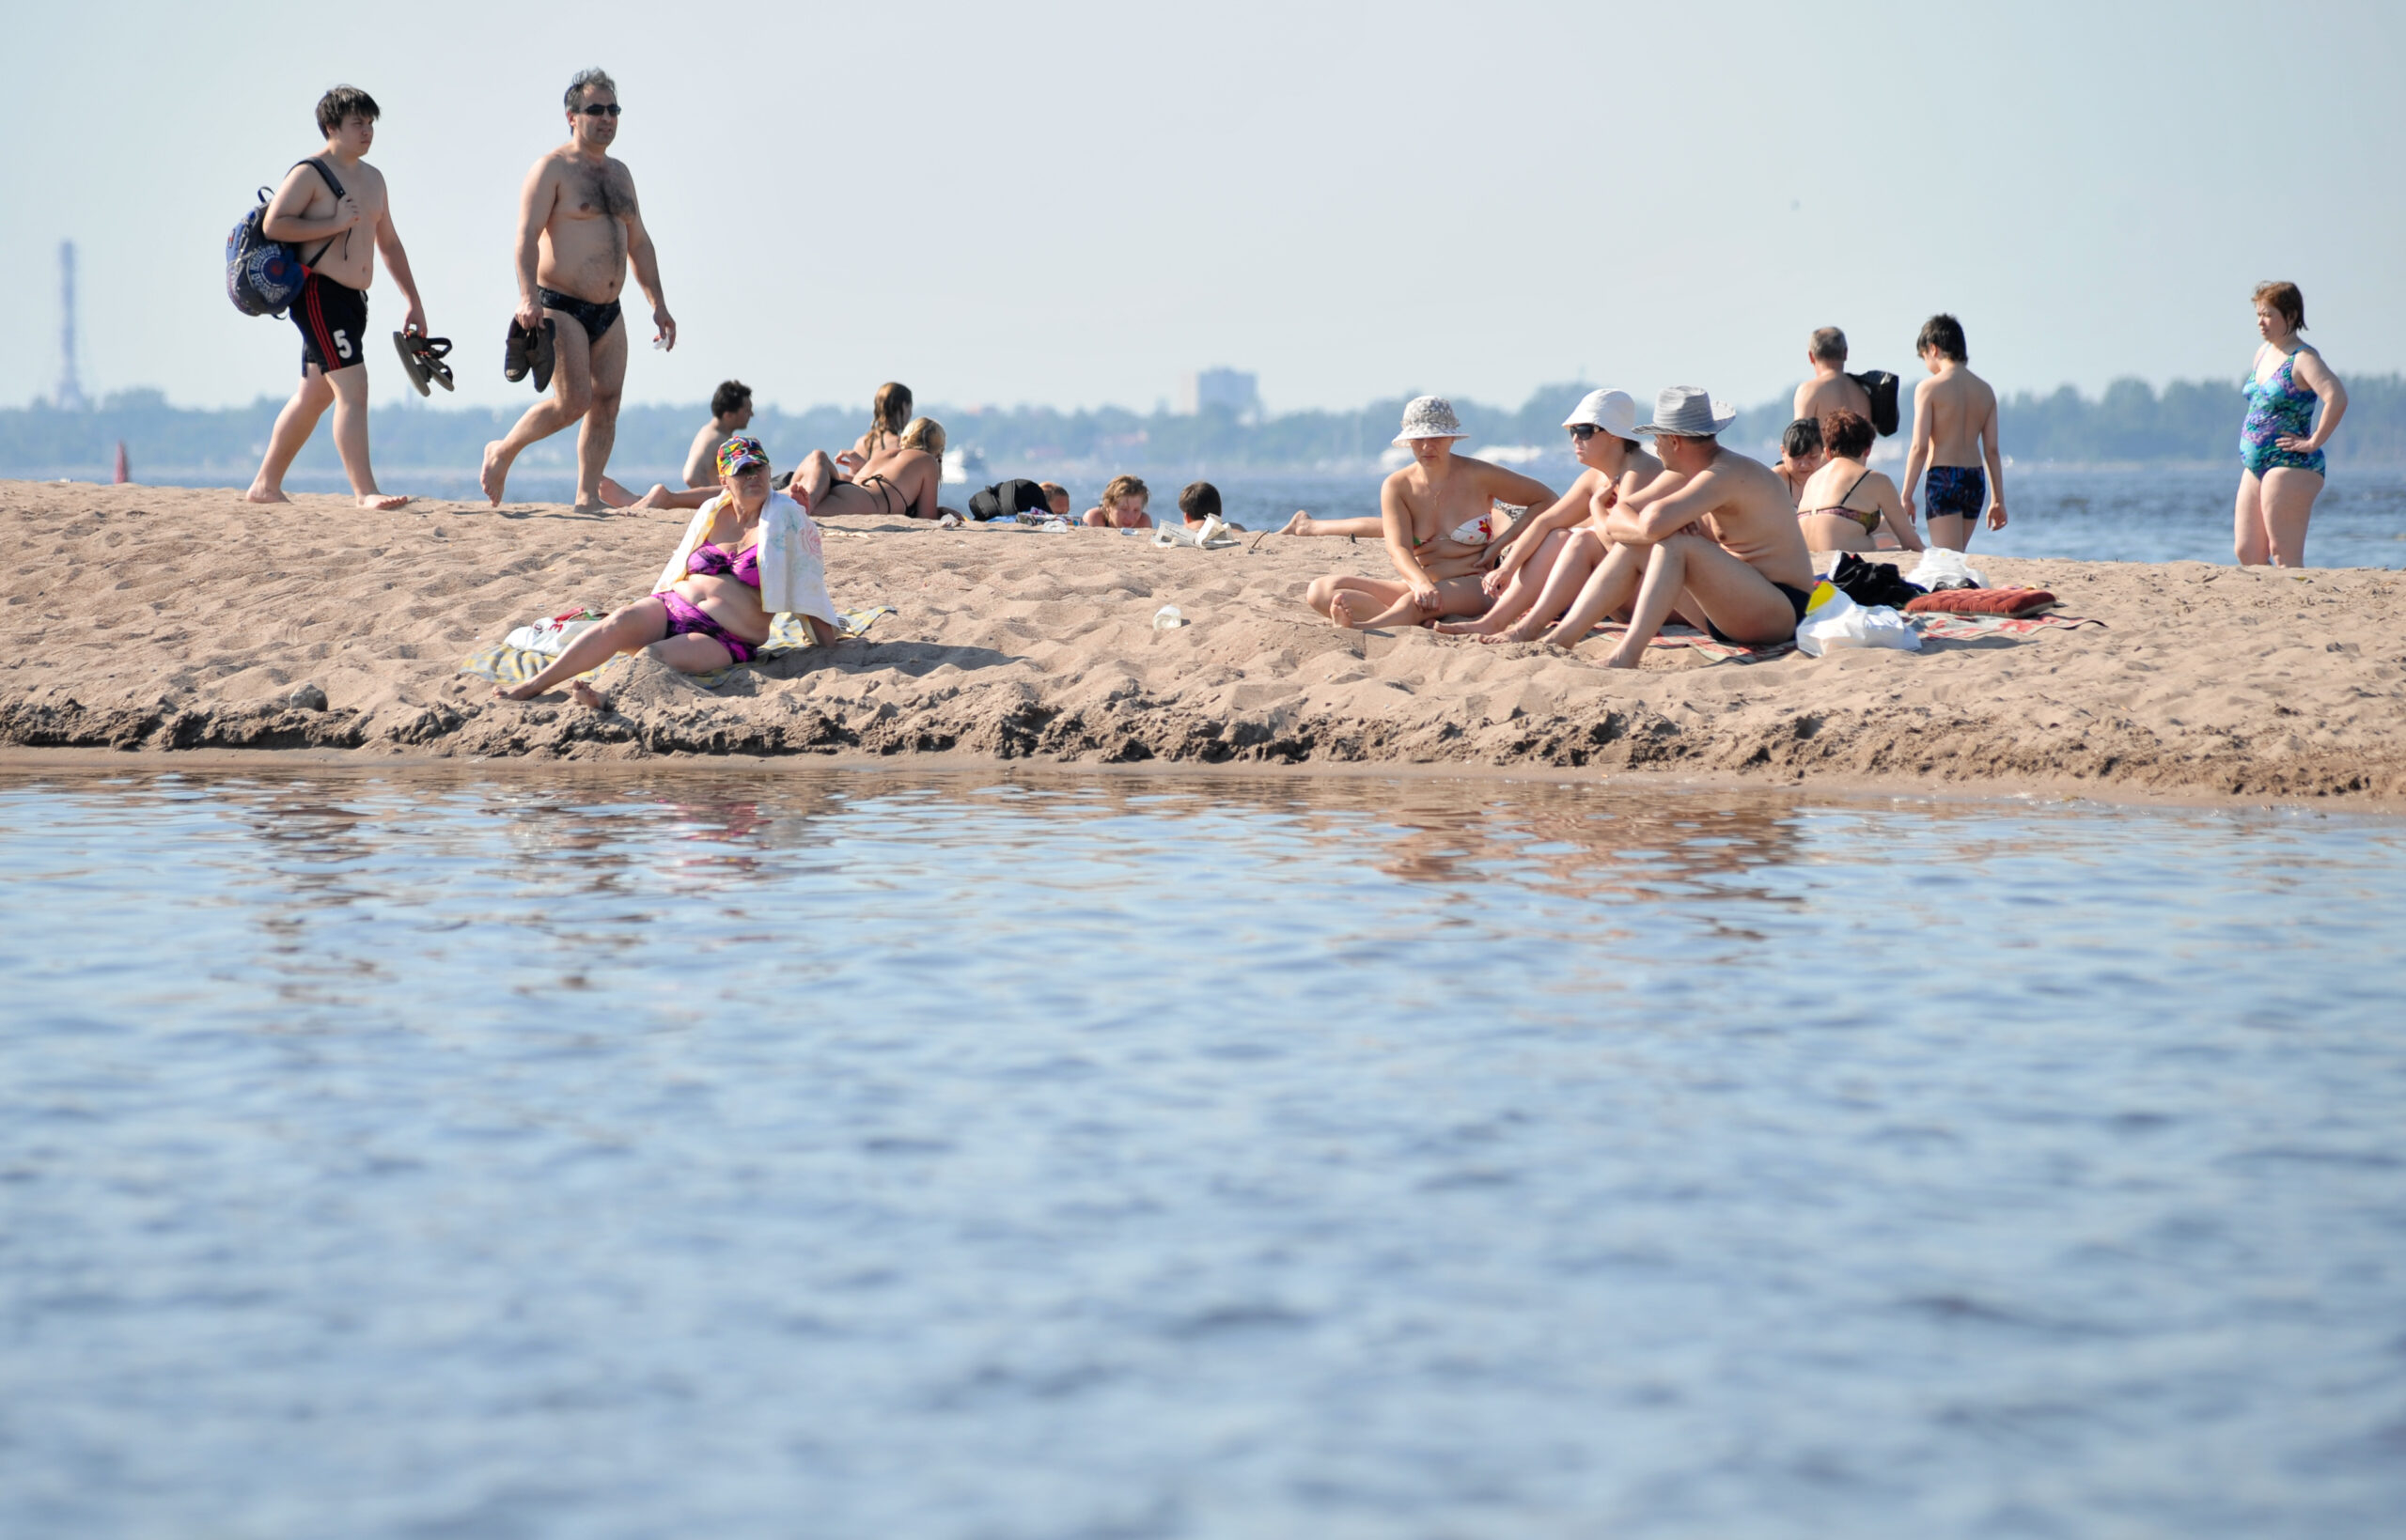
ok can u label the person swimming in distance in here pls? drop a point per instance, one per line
(1122, 505)
(1548, 561)
(900, 482)
(1847, 501)
(2281, 461)
(1714, 538)
(1800, 453)
(1437, 516)
(750, 553)
(889, 414)
(1954, 434)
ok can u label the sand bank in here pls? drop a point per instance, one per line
(156, 619)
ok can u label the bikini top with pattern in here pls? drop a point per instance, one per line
(710, 560)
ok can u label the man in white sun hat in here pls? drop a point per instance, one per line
(1437, 515)
(1553, 552)
(1715, 538)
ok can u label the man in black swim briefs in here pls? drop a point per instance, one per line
(334, 208)
(579, 226)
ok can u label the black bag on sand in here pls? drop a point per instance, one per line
(1881, 387)
(1870, 584)
(1015, 496)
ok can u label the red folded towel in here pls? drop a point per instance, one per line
(2005, 601)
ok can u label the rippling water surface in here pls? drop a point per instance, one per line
(760, 1153)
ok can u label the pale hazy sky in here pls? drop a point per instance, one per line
(1073, 204)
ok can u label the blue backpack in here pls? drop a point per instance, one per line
(264, 276)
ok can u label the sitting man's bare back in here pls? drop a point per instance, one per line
(1437, 516)
(1714, 538)
(578, 228)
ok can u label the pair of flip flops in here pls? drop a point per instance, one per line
(529, 352)
(422, 360)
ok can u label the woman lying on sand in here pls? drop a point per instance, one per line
(1845, 502)
(748, 554)
(900, 482)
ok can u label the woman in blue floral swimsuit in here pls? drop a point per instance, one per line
(2280, 447)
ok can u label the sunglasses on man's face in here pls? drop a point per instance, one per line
(1584, 431)
(600, 109)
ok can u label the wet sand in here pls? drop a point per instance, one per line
(158, 620)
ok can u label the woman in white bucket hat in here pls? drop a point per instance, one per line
(1748, 580)
(1543, 572)
(1437, 515)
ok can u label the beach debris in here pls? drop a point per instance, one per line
(1167, 618)
(306, 697)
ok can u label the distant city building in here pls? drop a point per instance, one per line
(70, 387)
(1234, 390)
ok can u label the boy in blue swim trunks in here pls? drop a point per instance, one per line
(1955, 436)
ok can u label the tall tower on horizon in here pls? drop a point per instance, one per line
(70, 389)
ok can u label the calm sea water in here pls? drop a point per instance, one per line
(763, 1153)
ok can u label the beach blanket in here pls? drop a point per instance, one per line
(1974, 627)
(507, 664)
(1719, 652)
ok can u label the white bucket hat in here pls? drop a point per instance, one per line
(1689, 411)
(1611, 411)
(1430, 417)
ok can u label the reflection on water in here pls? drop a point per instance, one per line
(681, 1152)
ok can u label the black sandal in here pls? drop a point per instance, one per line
(422, 359)
(529, 352)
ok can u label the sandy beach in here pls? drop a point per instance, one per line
(153, 619)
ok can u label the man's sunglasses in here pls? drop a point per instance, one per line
(1584, 431)
(600, 109)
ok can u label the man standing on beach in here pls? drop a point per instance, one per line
(1954, 434)
(578, 227)
(340, 234)
(1831, 389)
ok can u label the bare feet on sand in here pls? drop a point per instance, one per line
(1300, 524)
(1340, 607)
(381, 502)
(265, 494)
(1481, 627)
(515, 691)
(585, 695)
(595, 506)
(495, 473)
(1523, 629)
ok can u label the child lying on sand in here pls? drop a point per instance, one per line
(748, 554)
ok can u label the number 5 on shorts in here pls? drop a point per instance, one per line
(342, 342)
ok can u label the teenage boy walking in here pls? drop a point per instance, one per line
(338, 237)
(1954, 434)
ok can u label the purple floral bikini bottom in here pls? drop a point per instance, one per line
(687, 618)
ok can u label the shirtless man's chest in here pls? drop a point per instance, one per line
(347, 259)
(585, 238)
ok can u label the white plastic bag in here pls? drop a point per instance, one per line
(548, 636)
(1940, 565)
(1837, 621)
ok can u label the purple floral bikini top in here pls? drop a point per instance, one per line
(710, 560)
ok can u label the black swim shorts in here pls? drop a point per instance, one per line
(1797, 599)
(1956, 491)
(596, 317)
(333, 324)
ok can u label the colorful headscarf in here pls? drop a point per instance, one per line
(739, 452)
